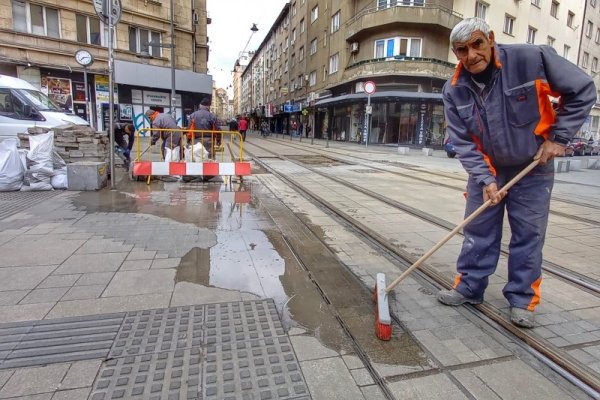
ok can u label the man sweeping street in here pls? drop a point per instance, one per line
(500, 118)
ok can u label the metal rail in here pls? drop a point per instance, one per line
(572, 370)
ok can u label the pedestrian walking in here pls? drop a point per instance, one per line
(170, 139)
(233, 125)
(294, 128)
(499, 119)
(243, 127)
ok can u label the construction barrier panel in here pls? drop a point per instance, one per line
(203, 154)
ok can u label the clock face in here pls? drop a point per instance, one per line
(84, 57)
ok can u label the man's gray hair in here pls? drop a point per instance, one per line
(464, 29)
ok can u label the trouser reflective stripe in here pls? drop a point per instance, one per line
(527, 205)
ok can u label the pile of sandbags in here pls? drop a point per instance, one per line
(11, 166)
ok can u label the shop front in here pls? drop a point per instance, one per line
(399, 118)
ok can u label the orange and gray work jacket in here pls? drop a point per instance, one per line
(505, 123)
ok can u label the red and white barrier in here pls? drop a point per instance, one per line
(152, 168)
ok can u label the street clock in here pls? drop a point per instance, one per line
(84, 58)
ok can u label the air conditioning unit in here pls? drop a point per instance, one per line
(354, 47)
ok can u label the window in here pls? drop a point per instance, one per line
(36, 19)
(10, 105)
(570, 19)
(554, 9)
(88, 29)
(531, 35)
(393, 3)
(480, 10)
(398, 46)
(140, 39)
(294, 9)
(535, 2)
(585, 59)
(509, 23)
(312, 78)
(550, 41)
(566, 51)
(334, 61)
(335, 22)
(589, 28)
(314, 14)
(302, 25)
(597, 35)
(595, 64)
(301, 53)
(313, 46)
(293, 35)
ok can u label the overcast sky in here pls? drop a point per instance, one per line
(230, 30)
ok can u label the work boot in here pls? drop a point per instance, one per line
(455, 298)
(522, 317)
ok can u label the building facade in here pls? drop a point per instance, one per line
(38, 41)
(319, 53)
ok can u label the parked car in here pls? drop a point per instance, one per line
(449, 147)
(581, 146)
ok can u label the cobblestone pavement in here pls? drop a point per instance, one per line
(187, 291)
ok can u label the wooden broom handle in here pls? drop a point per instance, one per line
(454, 231)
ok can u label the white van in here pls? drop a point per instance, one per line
(23, 106)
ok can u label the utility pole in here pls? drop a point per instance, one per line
(173, 95)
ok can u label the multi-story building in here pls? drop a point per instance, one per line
(319, 53)
(38, 41)
(240, 65)
(588, 55)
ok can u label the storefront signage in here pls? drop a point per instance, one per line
(292, 108)
(161, 99)
(421, 128)
(137, 96)
(59, 90)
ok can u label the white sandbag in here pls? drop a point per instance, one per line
(59, 180)
(11, 167)
(200, 154)
(172, 155)
(23, 157)
(39, 157)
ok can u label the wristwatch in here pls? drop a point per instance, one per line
(560, 140)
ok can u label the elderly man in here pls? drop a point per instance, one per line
(499, 119)
(164, 121)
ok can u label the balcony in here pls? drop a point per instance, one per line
(377, 18)
(403, 66)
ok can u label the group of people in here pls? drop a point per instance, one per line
(240, 124)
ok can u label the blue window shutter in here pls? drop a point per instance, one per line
(390, 48)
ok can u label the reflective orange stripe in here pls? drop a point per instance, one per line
(497, 59)
(456, 73)
(486, 158)
(456, 281)
(535, 300)
(547, 115)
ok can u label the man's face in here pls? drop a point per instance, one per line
(476, 53)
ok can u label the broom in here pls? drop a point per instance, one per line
(383, 321)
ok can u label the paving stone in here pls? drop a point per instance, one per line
(55, 252)
(127, 283)
(108, 304)
(249, 320)
(44, 295)
(131, 265)
(103, 246)
(362, 377)
(55, 281)
(81, 374)
(328, 378)
(431, 387)
(157, 375)
(309, 348)
(89, 263)
(24, 312)
(138, 254)
(19, 278)
(84, 292)
(29, 381)
(263, 368)
(99, 278)
(152, 331)
(165, 263)
(72, 394)
(373, 392)
(12, 297)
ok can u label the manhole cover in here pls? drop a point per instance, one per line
(318, 160)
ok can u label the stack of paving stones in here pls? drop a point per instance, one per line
(74, 142)
(219, 351)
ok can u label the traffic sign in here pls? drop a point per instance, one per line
(369, 87)
(369, 110)
(116, 10)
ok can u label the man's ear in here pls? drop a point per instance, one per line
(492, 38)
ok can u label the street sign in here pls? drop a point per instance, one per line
(369, 87)
(116, 10)
(369, 110)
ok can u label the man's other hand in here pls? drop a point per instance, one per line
(548, 150)
(491, 192)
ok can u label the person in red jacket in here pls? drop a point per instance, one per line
(243, 127)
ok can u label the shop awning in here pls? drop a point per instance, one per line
(392, 95)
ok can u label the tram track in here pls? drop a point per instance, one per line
(437, 182)
(581, 281)
(555, 357)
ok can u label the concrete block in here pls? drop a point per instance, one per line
(561, 166)
(403, 150)
(87, 175)
(593, 163)
(575, 165)
(427, 152)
